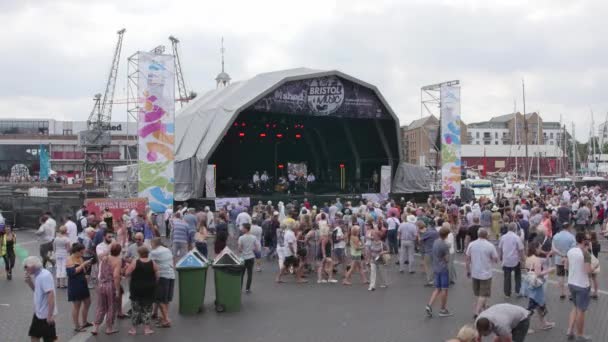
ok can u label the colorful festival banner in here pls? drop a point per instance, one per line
(45, 163)
(156, 129)
(450, 141)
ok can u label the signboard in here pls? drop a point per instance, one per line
(156, 129)
(232, 201)
(375, 198)
(324, 96)
(450, 141)
(116, 205)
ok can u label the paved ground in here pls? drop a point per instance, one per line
(310, 312)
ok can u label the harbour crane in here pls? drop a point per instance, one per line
(97, 136)
(184, 95)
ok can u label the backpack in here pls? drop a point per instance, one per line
(334, 236)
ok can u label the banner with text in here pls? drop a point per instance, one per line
(117, 206)
(156, 129)
(450, 141)
(232, 201)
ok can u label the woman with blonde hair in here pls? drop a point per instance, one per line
(466, 334)
(324, 256)
(356, 248)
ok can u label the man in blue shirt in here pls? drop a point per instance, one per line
(562, 243)
(428, 235)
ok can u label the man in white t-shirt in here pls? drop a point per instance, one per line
(480, 257)
(41, 282)
(337, 236)
(578, 264)
(242, 218)
(72, 230)
(290, 246)
(511, 251)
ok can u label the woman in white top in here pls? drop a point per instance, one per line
(451, 240)
(61, 246)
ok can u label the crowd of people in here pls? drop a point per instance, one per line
(531, 236)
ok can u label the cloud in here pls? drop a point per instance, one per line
(60, 51)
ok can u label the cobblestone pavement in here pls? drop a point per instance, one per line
(310, 312)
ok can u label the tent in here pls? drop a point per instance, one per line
(201, 125)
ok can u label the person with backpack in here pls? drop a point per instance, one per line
(339, 246)
(392, 225)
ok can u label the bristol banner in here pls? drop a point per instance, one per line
(450, 141)
(324, 96)
(117, 206)
(156, 129)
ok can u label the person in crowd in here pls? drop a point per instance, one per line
(72, 229)
(441, 258)
(62, 247)
(78, 290)
(221, 233)
(562, 242)
(181, 237)
(248, 245)
(108, 289)
(507, 321)
(46, 234)
(356, 252)
(200, 240)
(480, 256)
(408, 234)
(428, 235)
(534, 285)
(256, 230)
(461, 237)
(41, 282)
(8, 240)
(467, 333)
(138, 241)
(325, 269)
(451, 241)
(496, 223)
(595, 248)
(144, 275)
(163, 258)
(338, 241)
(392, 236)
(578, 265)
(511, 251)
(289, 250)
(377, 250)
(108, 218)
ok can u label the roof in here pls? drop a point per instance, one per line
(497, 151)
(421, 122)
(201, 123)
(502, 118)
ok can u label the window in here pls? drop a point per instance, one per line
(67, 132)
(477, 135)
(496, 142)
(486, 142)
(477, 142)
(495, 135)
(551, 135)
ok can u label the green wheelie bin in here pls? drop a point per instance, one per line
(228, 274)
(192, 274)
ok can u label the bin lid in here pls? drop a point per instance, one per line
(193, 259)
(227, 257)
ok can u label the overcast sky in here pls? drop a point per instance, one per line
(56, 53)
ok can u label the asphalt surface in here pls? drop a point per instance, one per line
(306, 312)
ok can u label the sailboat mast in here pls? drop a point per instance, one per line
(523, 90)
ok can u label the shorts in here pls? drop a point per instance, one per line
(356, 257)
(164, 290)
(442, 280)
(339, 253)
(580, 296)
(291, 261)
(179, 249)
(482, 288)
(40, 328)
(561, 270)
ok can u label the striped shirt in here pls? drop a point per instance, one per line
(181, 231)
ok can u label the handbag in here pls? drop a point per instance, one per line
(386, 258)
(533, 280)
